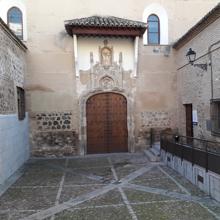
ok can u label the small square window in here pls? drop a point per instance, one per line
(21, 103)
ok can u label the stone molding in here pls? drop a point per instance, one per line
(83, 126)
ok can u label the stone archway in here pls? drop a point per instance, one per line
(83, 119)
(106, 119)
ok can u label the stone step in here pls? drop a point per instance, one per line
(156, 145)
(151, 157)
(155, 151)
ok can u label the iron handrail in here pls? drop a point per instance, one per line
(190, 142)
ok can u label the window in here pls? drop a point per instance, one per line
(21, 103)
(215, 116)
(158, 19)
(153, 29)
(15, 21)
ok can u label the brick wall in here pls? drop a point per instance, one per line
(194, 84)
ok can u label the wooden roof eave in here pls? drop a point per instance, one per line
(105, 31)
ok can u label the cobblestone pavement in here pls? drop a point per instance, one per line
(107, 187)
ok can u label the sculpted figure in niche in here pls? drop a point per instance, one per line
(106, 56)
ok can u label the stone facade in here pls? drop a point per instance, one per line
(194, 84)
(63, 72)
(12, 68)
(14, 134)
(69, 70)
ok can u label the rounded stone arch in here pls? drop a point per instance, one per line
(160, 12)
(6, 5)
(83, 122)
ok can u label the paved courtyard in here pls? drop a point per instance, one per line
(108, 187)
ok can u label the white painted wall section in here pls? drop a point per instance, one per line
(14, 145)
(92, 44)
(160, 11)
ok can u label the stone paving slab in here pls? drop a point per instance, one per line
(111, 198)
(135, 196)
(172, 211)
(43, 177)
(73, 192)
(28, 198)
(102, 184)
(109, 213)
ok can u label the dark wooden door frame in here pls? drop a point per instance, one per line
(106, 116)
(189, 119)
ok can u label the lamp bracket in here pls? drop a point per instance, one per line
(202, 66)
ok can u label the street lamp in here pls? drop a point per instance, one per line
(191, 55)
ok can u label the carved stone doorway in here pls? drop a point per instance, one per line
(106, 117)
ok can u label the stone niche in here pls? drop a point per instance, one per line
(106, 74)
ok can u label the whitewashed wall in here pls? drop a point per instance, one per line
(14, 146)
(87, 45)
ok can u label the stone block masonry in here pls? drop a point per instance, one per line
(156, 119)
(53, 121)
(53, 134)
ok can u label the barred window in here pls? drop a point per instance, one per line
(215, 116)
(21, 103)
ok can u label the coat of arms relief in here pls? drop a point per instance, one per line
(106, 74)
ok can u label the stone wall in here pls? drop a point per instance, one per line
(12, 68)
(194, 84)
(14, 134)
(53, 134)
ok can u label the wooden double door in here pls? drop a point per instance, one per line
(107, 123)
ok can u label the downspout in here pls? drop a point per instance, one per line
(210, 63)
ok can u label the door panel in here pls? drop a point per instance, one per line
(189, 120)
(107, 123)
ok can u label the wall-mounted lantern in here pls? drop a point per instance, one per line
(191, 55)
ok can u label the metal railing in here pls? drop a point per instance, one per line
(197, 151)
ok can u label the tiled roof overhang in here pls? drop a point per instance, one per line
(111, 26)
(209, 18)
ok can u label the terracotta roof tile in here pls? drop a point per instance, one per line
(105, 21)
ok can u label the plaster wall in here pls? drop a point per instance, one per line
(123, 45)
(14, 144)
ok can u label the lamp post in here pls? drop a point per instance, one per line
(191, 55)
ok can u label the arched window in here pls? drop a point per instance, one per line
(15, 21)
(153, 29)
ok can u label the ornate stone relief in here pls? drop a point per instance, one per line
(106, 74)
